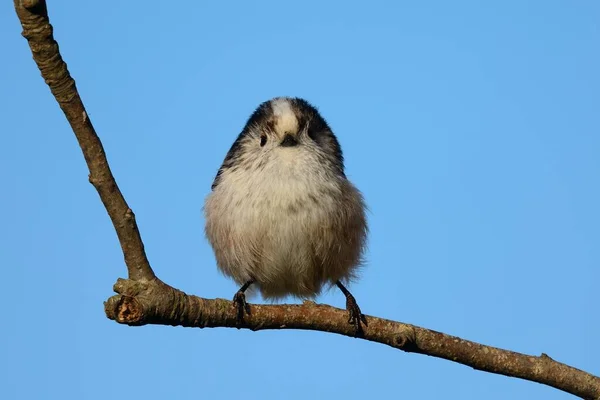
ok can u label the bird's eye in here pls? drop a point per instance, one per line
(263, 140)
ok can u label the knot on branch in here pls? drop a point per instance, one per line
(406, 339)
(124, 310)
(141, 302)
(128, 307)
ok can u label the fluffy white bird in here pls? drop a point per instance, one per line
(282, 215)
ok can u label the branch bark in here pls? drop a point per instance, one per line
(144, 299)
(37, 30)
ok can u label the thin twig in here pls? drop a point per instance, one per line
(38, 32)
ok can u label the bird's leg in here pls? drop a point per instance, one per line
(355, 316)
(239, 301)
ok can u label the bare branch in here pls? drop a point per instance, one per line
(144, 299)
(38, 32)
(155, 302)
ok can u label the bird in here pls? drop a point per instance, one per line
(282, 216)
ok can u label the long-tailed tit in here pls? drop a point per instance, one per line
(282, 215)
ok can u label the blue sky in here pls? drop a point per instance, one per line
(472, 129)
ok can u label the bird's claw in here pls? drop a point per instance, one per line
(355, 316)
(239, 301)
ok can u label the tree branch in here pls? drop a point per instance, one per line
(154, 302)
(38, 32)
(144, 299)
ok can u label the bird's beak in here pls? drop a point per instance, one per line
(289, 140)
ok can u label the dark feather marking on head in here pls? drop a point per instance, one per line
(318, 130)
(262, 113)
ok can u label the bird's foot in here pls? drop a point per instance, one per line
(239, 302)
(242, 307)
(355, 316)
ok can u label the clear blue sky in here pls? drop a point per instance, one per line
(473, 131)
